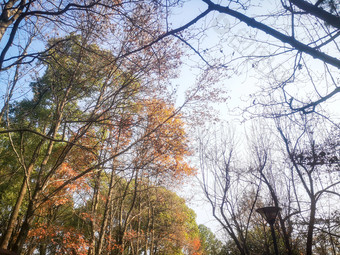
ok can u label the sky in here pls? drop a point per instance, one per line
(236, 87)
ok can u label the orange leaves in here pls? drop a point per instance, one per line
(87, 216)
(112, 245)
(131, 234)
(66, 172)
(166, 143)
(65, 240)
(62, 174)
(196, 246)
(84, 154)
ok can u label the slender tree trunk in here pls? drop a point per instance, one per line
(43, 249)
(14, 216)
(106, 214)
(31, 250)
(15, 213)
(152, 232)
(24, 228)
(138, 227)
(309, 244)
(94, 209)
(147, 231)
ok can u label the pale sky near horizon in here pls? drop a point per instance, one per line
(192, 192)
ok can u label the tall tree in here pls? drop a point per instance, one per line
(210, 243)
(82, 92)
(314, 162)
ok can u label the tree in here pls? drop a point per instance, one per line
(82, 93)
(221, 186)
(90, 132)
(293, 82)
(157, 159)
(314, 162)
(156, 221)
(169, 225)
(58, 229)
(210, 244)
(57, 97)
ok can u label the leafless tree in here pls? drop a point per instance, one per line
(222, 186)
(314, 162)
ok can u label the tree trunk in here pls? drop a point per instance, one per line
(309, 244)
(15, 213)
(24, 229)
(106, 214)
(94, 209)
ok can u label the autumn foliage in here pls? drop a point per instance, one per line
(92, 162)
